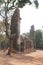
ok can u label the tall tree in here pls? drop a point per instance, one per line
(38, 38)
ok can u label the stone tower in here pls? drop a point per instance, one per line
(15, 27)
(32, 34)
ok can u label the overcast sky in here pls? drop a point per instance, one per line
(30, 15)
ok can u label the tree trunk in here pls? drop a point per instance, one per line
(7, 27)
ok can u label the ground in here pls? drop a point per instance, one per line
(34, 58)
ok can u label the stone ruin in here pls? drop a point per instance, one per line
(15, 28)
(32, 35)
(26, 44)
(22, 43)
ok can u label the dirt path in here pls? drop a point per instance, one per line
(34, 58)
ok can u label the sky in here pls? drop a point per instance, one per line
(30, 15)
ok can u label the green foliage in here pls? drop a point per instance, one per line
(2, 0)
(4, 42)
(20, 3)
(26, 34)
(36, 3)
(38, 38)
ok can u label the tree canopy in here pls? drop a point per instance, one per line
(38, 38)
(12, 4)
(20, 3)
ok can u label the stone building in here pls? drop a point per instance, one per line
(26, 44)
(23, 44)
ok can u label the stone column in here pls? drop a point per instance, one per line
(32, 34)
(15, 27)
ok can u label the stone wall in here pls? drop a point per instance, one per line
(27, 44)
